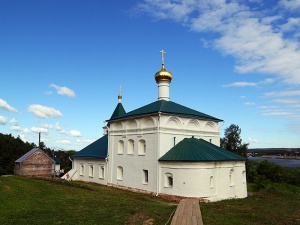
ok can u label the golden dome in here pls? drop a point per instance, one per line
(163, 75)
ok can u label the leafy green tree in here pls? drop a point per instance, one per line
(232, 140)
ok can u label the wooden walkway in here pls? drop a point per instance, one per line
(187, 213)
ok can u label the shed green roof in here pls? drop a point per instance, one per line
(97, 149)
(193, 149)
(164, 106)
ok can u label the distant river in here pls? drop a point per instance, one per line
(282, 162)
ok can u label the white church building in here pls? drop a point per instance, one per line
(163, 148)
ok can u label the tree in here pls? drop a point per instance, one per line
(232, 140)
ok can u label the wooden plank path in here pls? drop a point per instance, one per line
(188, 213)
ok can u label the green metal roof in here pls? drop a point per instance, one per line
(193, 149)
(97, 149)
(166, 107)
(119, 111)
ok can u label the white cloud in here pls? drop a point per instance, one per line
(276, 113)
(282, 93)
(250, 33)
(249, 103)
(3, 120)
(241, 84)
(22, 136)
(15, 128)
(268, 107)
(294, 103)
(293, 24)
(39, 129)
(44, 111)
(74, 133)
(26, 130)
(291, 4)
(13, 120)
(249, 84)
(4, 105)
(252, 140)
(88, 141)
(64, 142)
(63, 91)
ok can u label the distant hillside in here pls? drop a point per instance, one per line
(274, 151)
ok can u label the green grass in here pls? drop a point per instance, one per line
(277, 204)
(33, 201)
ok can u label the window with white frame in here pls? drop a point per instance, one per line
(119, 173)
(101, 172)
(231, 177)
(81, 169)
(130, 147)
(168, 180)
(145, 176)
(142, 147)
(120, 147)
(91, 170)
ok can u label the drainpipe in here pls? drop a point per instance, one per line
(157, 151)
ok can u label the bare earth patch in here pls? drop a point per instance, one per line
(139, 218)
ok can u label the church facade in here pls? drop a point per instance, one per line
(163, 148)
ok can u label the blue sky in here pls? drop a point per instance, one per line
(62, 62)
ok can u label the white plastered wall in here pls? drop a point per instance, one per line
(91, 170)
(208, 180)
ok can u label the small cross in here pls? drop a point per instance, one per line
(120, 89)
(162, 56)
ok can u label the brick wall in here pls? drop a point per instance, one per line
(38, 164)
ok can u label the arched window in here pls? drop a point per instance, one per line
(168, 180)
(231, 177)
(81, 169)
(244, 176)
(91, 170)
(211, 182)
(120, 147)
(142, 147)
(145, 176)
(130, 147)
(101, 172)
(119, 173)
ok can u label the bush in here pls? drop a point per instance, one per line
(262, 172)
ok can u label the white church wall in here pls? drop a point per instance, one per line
(91, 170)
(138, 160)
(173, 129)
(207, 180)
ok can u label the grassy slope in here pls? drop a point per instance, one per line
(278, 204)
(31, 201)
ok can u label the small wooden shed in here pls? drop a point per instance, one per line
(35, 163)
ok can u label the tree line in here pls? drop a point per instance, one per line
(12, 148)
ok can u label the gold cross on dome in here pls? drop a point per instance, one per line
(162, 56)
